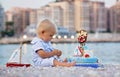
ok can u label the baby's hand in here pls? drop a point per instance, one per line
(57, 52)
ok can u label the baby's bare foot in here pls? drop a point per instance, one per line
(71, 64)
(65, 60)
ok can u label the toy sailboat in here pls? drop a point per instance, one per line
(16, 59)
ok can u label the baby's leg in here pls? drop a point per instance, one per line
(57, 63)
(57, 58)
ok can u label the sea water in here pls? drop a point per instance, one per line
(108, 54)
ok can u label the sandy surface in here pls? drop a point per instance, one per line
(106, 71)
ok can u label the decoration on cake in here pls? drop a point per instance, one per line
(82, 54)
(82, 50)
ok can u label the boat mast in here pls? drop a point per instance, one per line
(20, 57)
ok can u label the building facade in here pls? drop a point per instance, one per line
(114, 17)
(2, 18)
(82, 14)
(33, 16)
(98, 16)
(62, 13)
(20, 17)
(77, 14)
(71, 14)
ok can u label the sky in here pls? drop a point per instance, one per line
(7, 4)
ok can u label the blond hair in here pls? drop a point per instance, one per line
(45, 25)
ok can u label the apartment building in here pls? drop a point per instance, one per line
(2, 18)
(98, 16)
(82, 14)
(60, 12)
(20, 17)
(114, 17)
(33, 16)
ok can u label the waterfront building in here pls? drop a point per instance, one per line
(20, 18)
(82, 14)
(57, 15)
(33, 16)
(8, 16)
(2, 18)
(114, 20)
(60, 13)
(66, 15)
(71, 14)
(44, 12)
(98, 16)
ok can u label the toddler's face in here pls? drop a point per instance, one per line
(47, 35)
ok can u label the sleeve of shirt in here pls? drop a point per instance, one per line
(37, 46)
(51, 46)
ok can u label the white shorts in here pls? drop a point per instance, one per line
(47, 62)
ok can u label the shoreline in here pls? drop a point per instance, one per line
(60, 41)
(106, 37)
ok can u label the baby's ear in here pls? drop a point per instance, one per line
(43, 31)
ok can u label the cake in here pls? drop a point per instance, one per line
(82, 55)
(87, 57)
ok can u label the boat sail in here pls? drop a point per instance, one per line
(16, 59)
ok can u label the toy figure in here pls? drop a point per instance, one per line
(82, 50)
